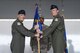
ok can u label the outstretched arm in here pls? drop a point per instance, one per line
(24, 31)
(51, 28)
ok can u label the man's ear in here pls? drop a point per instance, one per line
(17, 15)
(57, 10)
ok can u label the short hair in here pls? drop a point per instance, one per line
(22, 12)
(54, 6)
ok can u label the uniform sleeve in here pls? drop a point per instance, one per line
(31, 43)
(51, 28)
(49, 42)
(24, 31)
(32, 30)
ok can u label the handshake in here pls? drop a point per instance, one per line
(38, 32)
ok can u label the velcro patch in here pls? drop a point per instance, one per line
(56, 19)
(18, 23)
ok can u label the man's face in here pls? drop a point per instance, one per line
(54, 12)
(41, 20)
(21, 17)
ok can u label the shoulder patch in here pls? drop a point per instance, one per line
(18, 23)
(56, 19)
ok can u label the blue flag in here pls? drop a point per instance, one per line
(37, 19)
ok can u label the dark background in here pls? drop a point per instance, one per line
(9, 8)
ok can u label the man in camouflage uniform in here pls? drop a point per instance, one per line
(18, 34)
(45, 42)
(57, 31)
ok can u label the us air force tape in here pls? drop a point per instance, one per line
(18, 23)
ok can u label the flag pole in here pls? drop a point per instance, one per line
(62, 12)
(38, 40)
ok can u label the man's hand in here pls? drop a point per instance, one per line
(36, 26)
(38, 31)
(41, 36)
(37, 35)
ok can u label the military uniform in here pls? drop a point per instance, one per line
(57, 30)
(18, 36)
(45, 43)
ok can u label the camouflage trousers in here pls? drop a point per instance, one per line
(42, 50)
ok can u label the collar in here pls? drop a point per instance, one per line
(57, 16)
